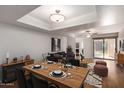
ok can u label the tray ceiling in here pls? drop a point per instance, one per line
(74, 15)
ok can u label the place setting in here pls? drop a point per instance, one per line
(51, 62)
(57, 73)
(60, 73)
(37, 67)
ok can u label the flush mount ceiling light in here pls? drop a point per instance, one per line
(57, 17)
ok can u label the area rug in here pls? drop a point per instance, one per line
(92, 78)
(91, 65)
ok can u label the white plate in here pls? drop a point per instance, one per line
(36, 66)
(68, 65)
(57, 71)
(63, 75)
(50, 61)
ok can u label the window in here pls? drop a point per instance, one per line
(55, 44)
(105, 48)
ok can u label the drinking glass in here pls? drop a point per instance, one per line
(60, 63)
(69, 75)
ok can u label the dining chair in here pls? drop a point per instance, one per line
(52, 85)
(8, 75)
(38, 82)
(9, 72)
(21, 79)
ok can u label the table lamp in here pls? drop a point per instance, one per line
(7, 57)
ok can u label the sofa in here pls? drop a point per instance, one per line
(55, 56)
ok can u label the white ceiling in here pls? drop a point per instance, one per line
(74, 15)
(71, 11)
(78, 18)
(11, 13)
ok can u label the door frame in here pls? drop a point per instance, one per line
(103, 47)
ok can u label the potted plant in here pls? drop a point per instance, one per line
(69, 49)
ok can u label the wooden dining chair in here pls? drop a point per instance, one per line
(52, 85)
(8, 75)
(38, 82)
(21, 79)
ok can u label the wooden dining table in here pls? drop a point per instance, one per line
(74, 78)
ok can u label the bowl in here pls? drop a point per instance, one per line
(57, 72)
(49, 62)
(37, 66)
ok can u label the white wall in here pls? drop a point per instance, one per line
(64, 43)
(121, 34)
(80, 41)
(20, 41)
(120, 37)
(71, 41)
(88, 47)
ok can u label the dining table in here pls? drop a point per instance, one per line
(73, 77)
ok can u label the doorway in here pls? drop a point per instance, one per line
(105, 48)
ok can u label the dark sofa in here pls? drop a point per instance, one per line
(56, 56)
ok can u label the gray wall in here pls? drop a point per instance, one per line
(121, 34)
(88, 47)
(71, 42)
(20, 41)
(120, 37)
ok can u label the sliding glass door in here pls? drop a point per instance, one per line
(105, 48)
(98, 48)
(109, 48)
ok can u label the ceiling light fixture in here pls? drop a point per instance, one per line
(88, 34)
(57, 17)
